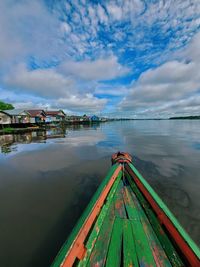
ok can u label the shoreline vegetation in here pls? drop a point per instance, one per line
(185, 118)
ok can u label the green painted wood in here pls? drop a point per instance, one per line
(129, 248)
(161, 235)
(119, 203)
(61, 254)
(143, 250)
(165, 209)
(114, 252)
(96, 229)
(158, 252)
(99, 252)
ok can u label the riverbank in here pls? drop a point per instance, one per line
(13, 129)
(10, 130)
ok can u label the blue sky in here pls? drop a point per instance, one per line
(130, 58)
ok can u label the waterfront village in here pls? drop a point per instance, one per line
(27, 117)
(36, 125)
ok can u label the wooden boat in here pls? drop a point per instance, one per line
(127, 224)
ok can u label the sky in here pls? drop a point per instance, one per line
(117, 58)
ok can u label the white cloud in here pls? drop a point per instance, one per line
(82, 103)
(166, 73)
(65, 27)
(31, 105)
(170, 88)
(103, 18)
(183, 107)
(52, 89)
(193, 50)
(111, 91)
(27, 28)
(93, 20)
(171, 81)
(43, 82)
(100, 69)
(115, 11)
(81, 35)
(92, 138)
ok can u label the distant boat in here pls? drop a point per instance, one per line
(127, 224)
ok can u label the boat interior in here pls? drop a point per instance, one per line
(128, 233)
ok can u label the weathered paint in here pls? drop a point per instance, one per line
(122, 226)
(113, 257)
(129, 248)
(153, 221)
(119, 203)
(96, 229)
(190, 250)
(77, 249)
(141, 241)
(65, 248)
(99, 252)
(159, 254)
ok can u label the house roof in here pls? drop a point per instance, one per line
(94, 116)
(3, 111)
(36, 112)
(73, 117)
(14, 112)
(54, 112)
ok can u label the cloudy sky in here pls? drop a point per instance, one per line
(131, 58)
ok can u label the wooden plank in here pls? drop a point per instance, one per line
(114, 252)
(97, 227)
(77, 250)
(141, 240)
(190, 251)
(161, 235)
(129, 249)
(119, 202)
(99, 252)
(159, 254)
(67, 245)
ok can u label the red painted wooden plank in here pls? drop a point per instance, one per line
(119, 202)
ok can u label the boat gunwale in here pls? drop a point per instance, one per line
(78, 228)
(192, 247)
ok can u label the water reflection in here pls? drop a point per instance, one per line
(9, 142)
(47, 179)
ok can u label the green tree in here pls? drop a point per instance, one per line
(5, 106)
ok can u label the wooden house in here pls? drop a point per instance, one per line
(5, 118)
(95, 118)
(36, 115)
(55, 115)
(73, 119)
(18, 116)
(85, 118)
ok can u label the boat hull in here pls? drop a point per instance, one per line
(127, 224)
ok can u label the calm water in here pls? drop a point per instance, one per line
(47, 179)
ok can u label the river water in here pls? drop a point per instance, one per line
(47, 179)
